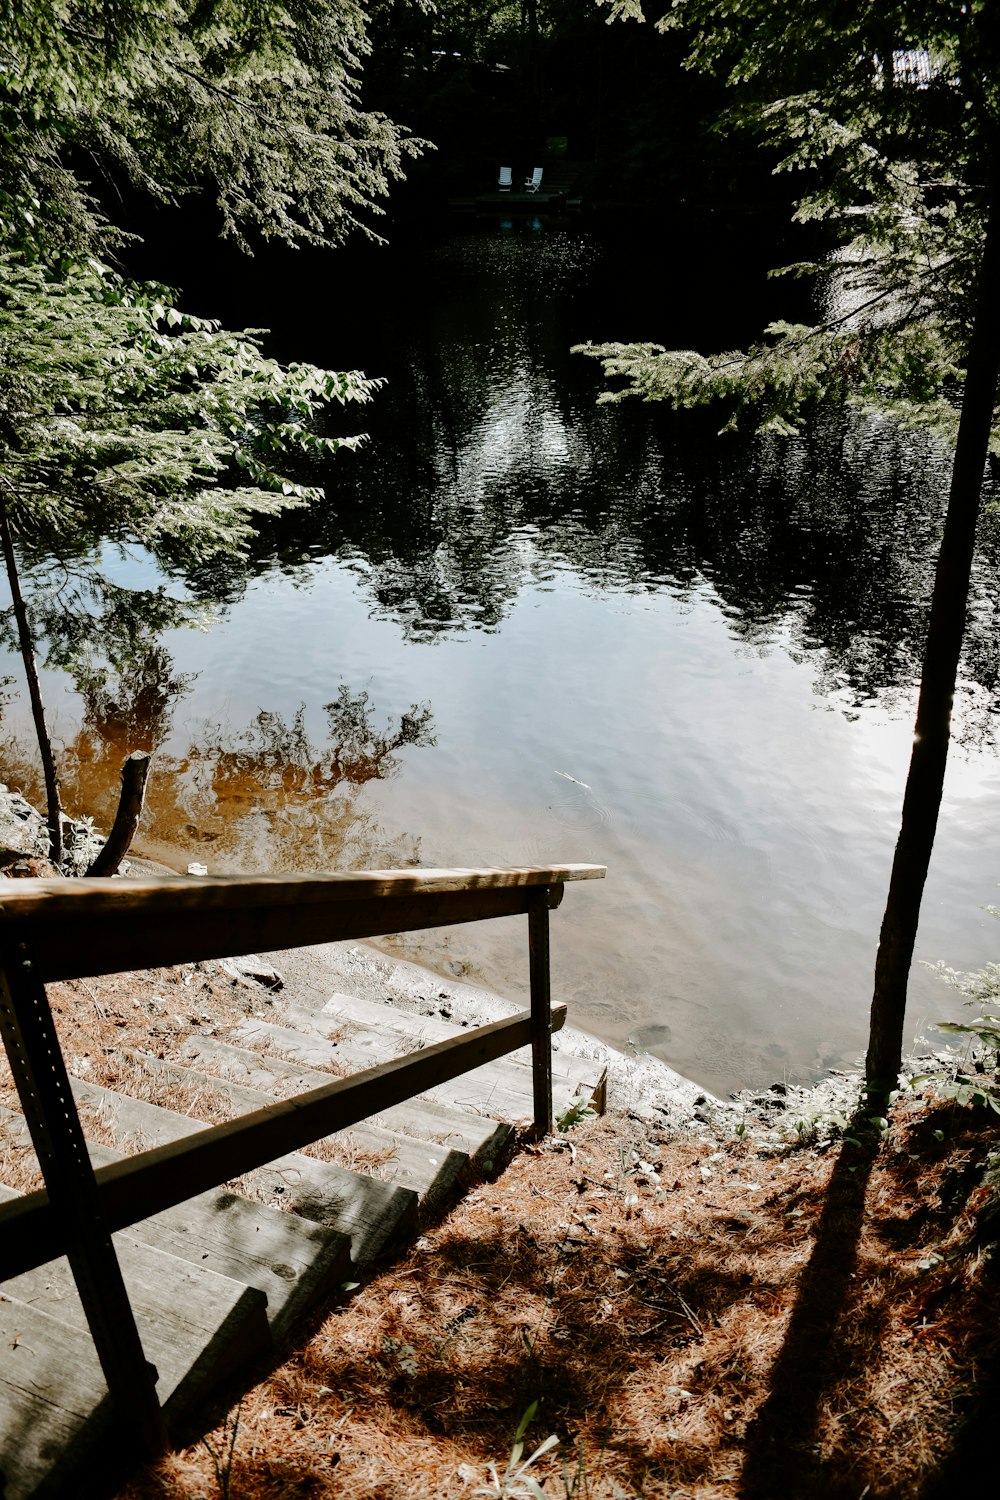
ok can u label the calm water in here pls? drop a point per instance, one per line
(527, 628)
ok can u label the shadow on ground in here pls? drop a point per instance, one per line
(731, 1326)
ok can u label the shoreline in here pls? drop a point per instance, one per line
(640, 1085)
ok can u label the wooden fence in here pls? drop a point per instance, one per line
(74, 929)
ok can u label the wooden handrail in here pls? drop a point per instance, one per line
(71, 929)
(151, 1181)
(78, 928)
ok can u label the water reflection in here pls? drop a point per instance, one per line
(505, 477)
(265, 797)
(689, 658)
(132, 710)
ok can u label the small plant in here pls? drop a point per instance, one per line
(575, 1482)
(811, 1129)
(966, 1090)
(222, 1456)
(975, 1088)
(982, 986)
(515, 1483)
(575, 1113)
(986, 1027)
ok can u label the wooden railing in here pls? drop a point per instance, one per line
(74, 929)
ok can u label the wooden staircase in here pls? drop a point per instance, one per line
(216, 1282)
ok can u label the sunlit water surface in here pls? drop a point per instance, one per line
(629, 642)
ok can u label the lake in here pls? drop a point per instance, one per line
(527, 628)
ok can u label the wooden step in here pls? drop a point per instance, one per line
(366, 984)
(196, 1326)
(483, 1140)
(370, 1015)
(432, 1172)
(499, 1090)
(293, 1262)
(410, 1028)
(56, 1437)
(371, 1213)
(355, 1014)
(296, 1263)
(358, 983)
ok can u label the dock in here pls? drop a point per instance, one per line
(522, 203)
(556, 195)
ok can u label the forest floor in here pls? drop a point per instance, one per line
(691, 1318)
(760, 1311)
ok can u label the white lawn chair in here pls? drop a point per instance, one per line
(534, 182)
(506, 176)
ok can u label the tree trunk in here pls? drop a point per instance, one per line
(53, 805)
(134, 772)
(946, 628)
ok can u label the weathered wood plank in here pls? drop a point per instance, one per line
(293, 1261)
(391, 1020)
(422, 1119)
(77, 928)
(53, 1406)
(370, 1212)
(175, 892)
(77, 943)
(500, 1089)
(196, 1325)
(359, 1034)
(158, 1179)
(432, 1172)
(370, 1015)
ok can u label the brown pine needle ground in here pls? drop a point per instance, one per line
(733, 1328)
(695, 1317)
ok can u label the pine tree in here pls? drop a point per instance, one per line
(123, 419)
(892, 112)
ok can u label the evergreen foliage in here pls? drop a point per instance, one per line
(123, 419)
(887, 116)
(258, 102)
(118, 413)
(892, 115)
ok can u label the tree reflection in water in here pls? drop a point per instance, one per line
(266, 797)
(613, 591)
(133, 710)
(492, 469)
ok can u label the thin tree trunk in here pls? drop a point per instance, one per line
(946, 628)
(134, 772)
(53, 805)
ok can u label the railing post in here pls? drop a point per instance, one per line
(541, 1009)
(43, 1085)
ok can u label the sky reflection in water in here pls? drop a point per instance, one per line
(690, 659)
